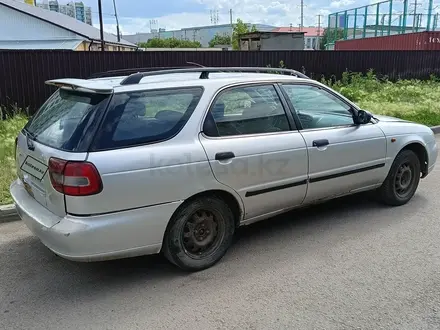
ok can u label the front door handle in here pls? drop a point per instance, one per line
(320, 143)
(224, 155)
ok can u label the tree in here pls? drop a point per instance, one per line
(240, 28)
(169, 43)
(220, 40)
(329, 36)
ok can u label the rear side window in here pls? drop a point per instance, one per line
(67, 120)
(136, 118)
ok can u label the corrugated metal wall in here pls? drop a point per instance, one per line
(23, 73)
(408, 41)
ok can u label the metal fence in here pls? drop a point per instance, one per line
(23, 73)
(384, 18)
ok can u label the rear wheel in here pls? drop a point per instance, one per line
(199, 234)
(402, 180)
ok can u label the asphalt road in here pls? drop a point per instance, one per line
(349, 264)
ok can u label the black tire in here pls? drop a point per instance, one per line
(204, 223)
(405, 165)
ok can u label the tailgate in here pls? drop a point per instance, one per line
(62, 128)
(32, 168)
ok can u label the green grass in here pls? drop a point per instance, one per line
(413, 100)
(8, 131)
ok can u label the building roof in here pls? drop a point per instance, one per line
(65, 22)
(259, 33)
(258, 25)
(40, 44)
(309, 31)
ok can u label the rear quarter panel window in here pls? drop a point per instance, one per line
(143, 117)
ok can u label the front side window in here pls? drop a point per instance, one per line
(143, 117)
(317, 108)
(246, 110)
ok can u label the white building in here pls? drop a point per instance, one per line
(73, 9)
(28, 27)
(88, 14)
(43, 4)
(312, 35)
(68, 10)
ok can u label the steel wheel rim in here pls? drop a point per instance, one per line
(404, 180)
(202, 233)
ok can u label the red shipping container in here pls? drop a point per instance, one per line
(409, 41)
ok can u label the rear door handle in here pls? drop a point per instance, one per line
(224, 155)
(320, 143)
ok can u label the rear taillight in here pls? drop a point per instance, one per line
(74, 178)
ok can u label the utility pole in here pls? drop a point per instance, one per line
(302, 16)
(232, 26)
(319, 24)
(101, 23)
(318, 39)
(117, 21)
(230, 19)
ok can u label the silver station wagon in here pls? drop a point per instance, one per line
(173, 161)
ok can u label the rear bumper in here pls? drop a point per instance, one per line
(99, 237)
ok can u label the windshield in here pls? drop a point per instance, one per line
(65, 120)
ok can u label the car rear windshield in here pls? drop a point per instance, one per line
(67, 120)
(144, 117)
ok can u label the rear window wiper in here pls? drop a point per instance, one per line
(30, 135)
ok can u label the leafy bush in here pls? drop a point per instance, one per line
(413, 100)
(170, 43)
(9, 129)
(220, 40)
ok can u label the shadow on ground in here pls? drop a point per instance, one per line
(39, 275)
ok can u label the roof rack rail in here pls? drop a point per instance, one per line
(135, 78)
(130, 71)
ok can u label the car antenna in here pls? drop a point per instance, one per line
(196, 64)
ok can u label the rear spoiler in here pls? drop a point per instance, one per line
(82, 84)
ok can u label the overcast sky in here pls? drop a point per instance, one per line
(135, 15)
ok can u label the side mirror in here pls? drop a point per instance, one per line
(362, 117)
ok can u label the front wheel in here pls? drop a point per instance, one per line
(199, 234)
(402, 180)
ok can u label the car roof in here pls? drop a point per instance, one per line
(189, 79)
